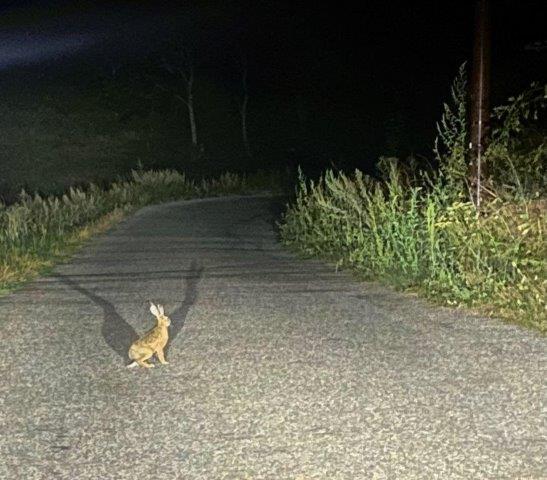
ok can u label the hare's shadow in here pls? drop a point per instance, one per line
(118, 334)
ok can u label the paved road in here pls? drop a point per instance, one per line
(280, 368)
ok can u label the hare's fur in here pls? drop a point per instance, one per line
(152, 342)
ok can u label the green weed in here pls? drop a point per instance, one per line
(418, 229)
(414, 237)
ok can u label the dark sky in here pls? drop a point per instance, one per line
(371, 57)
(369, 40)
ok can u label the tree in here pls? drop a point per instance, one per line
(243, 106)
(181, 64)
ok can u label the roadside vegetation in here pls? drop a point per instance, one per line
(415, 226)
(36, 232)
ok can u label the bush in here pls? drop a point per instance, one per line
(418, 236)
(418, 229)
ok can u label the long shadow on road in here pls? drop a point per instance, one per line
(117, 332)
(178, 317)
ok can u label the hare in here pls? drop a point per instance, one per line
(152, 342)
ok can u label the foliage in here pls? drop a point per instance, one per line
(517, 154)
(415, 237)
(452, 137)
(417, 229)
(36, 230)
(511, 117)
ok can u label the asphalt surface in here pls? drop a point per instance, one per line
(280, 368)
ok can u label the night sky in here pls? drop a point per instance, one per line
(362, 66)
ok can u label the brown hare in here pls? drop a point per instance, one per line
(152, 342)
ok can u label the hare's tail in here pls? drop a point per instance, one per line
(131, 365)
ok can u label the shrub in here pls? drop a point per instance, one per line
(419, 237)
(418, 229)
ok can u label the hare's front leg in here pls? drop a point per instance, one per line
(161, 356)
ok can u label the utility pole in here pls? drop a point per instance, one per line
(480, 92)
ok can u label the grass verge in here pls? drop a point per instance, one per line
(37, 232)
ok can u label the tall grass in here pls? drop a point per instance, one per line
(418, 236)
(418, 229)
(36, 231)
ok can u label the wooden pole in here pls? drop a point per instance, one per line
(480, 93)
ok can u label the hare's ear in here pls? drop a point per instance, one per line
(154, 310)
(160, 308)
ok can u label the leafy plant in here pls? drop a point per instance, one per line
(416, 237)
(517, 153)
(452, 137)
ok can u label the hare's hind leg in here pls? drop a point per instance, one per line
(141, 355)
(161, 356)
(142, 360)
